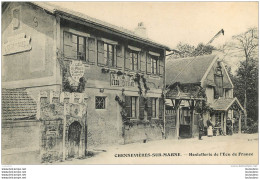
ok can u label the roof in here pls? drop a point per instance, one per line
(17, 104)
(59, 10)
(223, 104)
(188, 70)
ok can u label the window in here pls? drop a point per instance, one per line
(154, 108)
(74, 46)
(133, 106)
(100, 102)
(154, 61)
(109, 55)
(134, 60)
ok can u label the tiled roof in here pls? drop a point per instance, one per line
(57, 9)
(223, 104)
(187, 70)
(17, 104)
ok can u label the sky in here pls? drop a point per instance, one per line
(169, 23)
(172, 22)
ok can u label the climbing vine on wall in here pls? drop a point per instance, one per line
(123, 109)
(137, 79)
(67, 85)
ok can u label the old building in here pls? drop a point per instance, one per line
(72, 83)
(195, 86)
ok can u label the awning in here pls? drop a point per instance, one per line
(224, 104)
(131, 93)
(153, 95)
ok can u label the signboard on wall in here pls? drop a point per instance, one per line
(17, 43)
(77, 69)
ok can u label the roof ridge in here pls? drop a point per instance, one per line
(56, 8)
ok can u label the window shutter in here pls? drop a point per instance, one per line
(149, 108)
(87, 50)
(128, 106)
(127, 60)
(161, 106)
(141, 107)
(161, 67)
(148, 64)
(101, 60)
(67, 48)
(142, 61)
(119, 56)
(158, 66)
(92, 50)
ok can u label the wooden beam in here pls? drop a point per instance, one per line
(239, 122)
(177, 122)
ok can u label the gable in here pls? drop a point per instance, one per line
(27, 42)
(209, 80)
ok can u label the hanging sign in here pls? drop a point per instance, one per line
(77, 69)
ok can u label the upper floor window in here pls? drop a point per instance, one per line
(218, 79)
(132, 57)
(134, 60)
(106, 55)
(109, 55)
(154, 65)
(74, 46)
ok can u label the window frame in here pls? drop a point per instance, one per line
(104, 102)
(135, 107)
(154, 108)
(154, 60)
(132, 54)
(85, 46)
(107, 54)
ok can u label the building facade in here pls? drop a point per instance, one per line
(91, 83)
(199, 87)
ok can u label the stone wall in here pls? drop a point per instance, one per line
(21, 142)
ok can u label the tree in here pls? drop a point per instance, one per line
(187, 50)
(248, 71)
(244, 46)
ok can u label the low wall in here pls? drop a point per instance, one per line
(143, 132)
(21, 142)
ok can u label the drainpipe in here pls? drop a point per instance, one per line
(164, 84)
(64, 135)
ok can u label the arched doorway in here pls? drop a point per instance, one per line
(74, 133)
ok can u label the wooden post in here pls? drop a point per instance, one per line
(239, 123)
(225, 123)
(222, 121)
(192, 118)
(177, 122)
(164, 121)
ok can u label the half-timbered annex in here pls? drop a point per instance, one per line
(199, 87)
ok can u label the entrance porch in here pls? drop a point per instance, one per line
(223, 115)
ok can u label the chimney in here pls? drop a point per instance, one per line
(141, 30)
